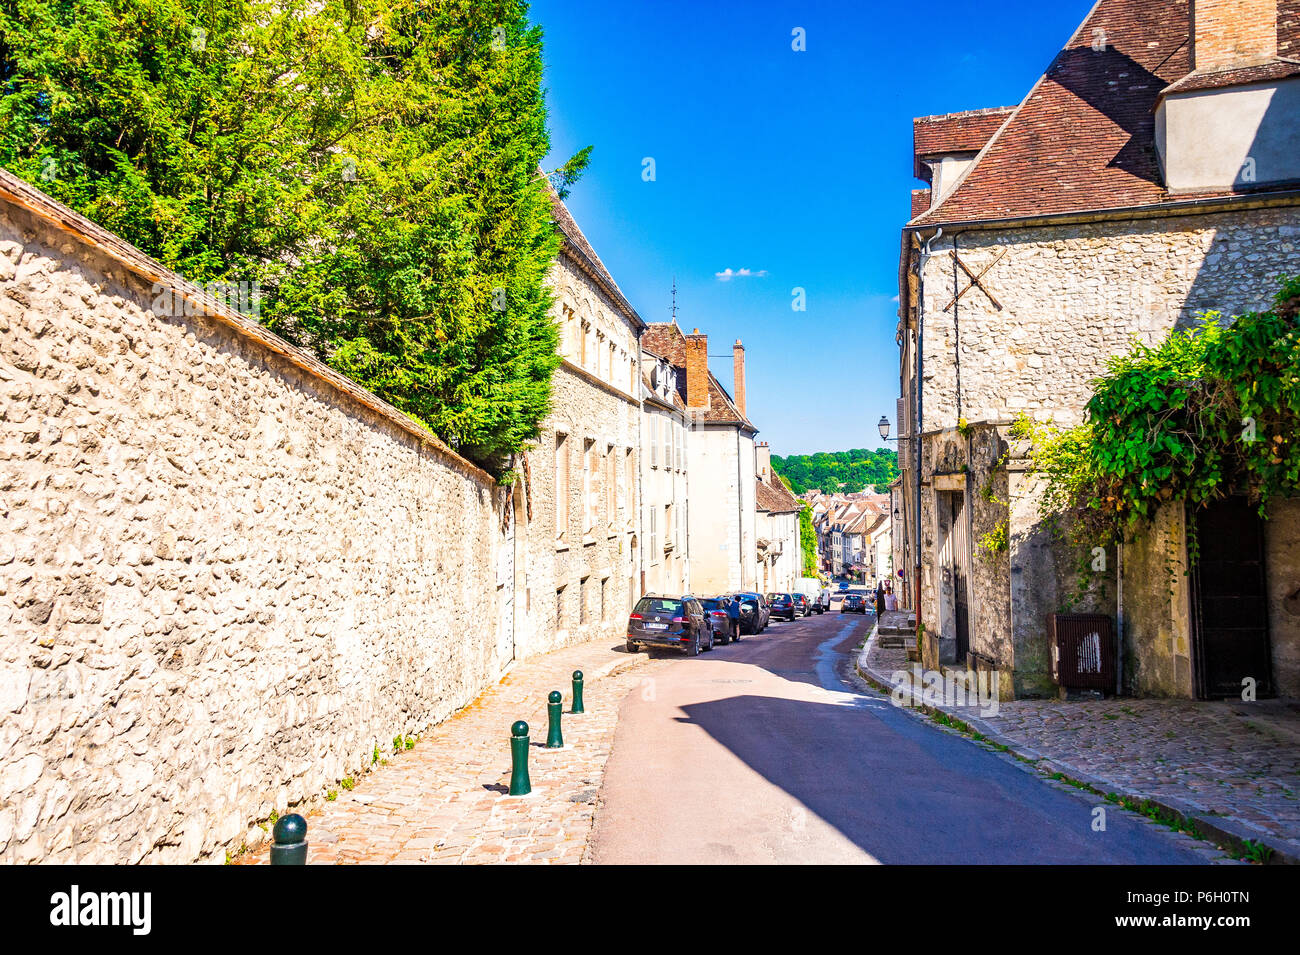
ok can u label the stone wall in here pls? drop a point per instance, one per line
(224, 582)
(1068, 297)
(1282, 562)
(1158, 603)
(1071, 296)
(1157, 626)
(989, 500)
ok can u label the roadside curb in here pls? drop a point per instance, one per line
(1222, 830)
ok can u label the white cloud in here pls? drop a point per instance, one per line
(728, 274)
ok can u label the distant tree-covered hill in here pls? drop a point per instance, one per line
(832, 471)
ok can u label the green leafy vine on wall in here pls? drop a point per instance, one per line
(995, 541)
(1209, 411)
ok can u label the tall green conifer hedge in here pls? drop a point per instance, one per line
(372, 164)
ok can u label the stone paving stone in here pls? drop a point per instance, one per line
(444, 801)
(1232, 759)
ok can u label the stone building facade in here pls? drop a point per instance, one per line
(1055, 245)
(577, 509)
(227, 575)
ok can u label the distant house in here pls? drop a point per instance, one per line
(1153, 172)
(780, 549)
(665, 480)
(720, 457)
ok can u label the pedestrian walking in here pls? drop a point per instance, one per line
(880, 599)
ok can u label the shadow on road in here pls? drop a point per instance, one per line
(905, 793)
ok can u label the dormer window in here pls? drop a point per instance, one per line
(1230, 123)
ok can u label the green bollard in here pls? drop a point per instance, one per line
(577, 693)
(290, 835)
(520, 784)
(554, 739)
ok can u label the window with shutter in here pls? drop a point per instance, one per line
(561, 484)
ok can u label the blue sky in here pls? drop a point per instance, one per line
(794, 164)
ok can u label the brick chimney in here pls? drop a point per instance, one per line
(738, 367)
(697, 370)
(1231, 33)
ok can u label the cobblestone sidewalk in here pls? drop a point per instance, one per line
(444, 801)
(1237, 764)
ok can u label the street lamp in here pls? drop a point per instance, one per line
(884, 428)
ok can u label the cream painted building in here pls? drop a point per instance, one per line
(720, 462)
(880, 554)
(779, 552)
(665, 487)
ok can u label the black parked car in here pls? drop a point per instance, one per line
(723, 616)
(676, 622)
(854, 603)
(781, 605)
(753, 612)
(801, 606)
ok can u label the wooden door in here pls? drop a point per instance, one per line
(1230, 601)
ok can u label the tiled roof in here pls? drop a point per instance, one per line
(775, 497)
(1084, 138)
(667, 340)
(1277, 69)
(576, 243)
(920, 201)
(954, 133)
(1288, 28)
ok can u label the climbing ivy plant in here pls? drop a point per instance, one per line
(808, 541)
(1209, 411)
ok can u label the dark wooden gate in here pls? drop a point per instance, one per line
(1230, 601)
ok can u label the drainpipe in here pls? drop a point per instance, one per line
(740, 515)
(1119, 618)
(916, 431)
(686, 501)
(640, 450)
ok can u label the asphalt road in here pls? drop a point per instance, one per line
(768, 751)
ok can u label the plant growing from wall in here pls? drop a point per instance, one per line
(1209, 411)
(808, 541)
(995, 542)
(371, 165)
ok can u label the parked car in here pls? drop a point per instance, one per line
(754, 613)
(802, 607)
(676, 622)
(854, 603)
(824, 601)
(718, 613)
(781, 605)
